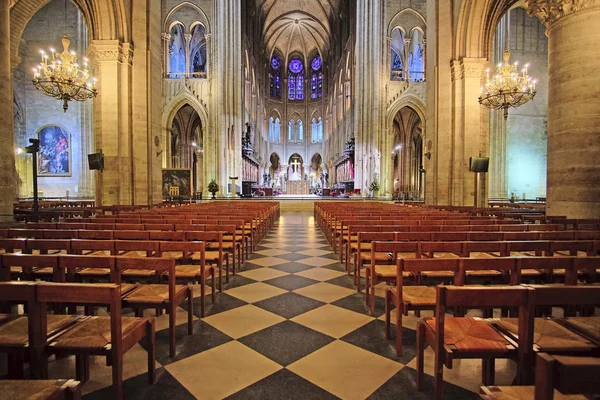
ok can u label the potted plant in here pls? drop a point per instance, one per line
(213, 187)
(374, 187)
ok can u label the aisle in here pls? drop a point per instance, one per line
(290, 325)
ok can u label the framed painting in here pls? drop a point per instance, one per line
(54, 158)
(177, 177)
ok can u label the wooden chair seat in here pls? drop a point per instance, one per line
(94, 272)
(418, 296)
(16, 331)
(367, 256)
(442, 254)
(531, 272)
(214, 245)
(548, 335)
(190, 271)
(388, 272)
(588, 325)
(137, 272)
(520, 393)
(43, 271)
(213, 256)
(484, 272)
(471, 335)
(153, 293)
(363, 246)
(94, 333)
(438, 274)
(40, 389)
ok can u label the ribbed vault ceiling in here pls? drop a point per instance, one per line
(297, 26)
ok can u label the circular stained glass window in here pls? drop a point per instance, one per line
(275, 62)
(316, 63)
(296, 66)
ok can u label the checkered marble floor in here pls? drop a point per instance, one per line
(290, 325)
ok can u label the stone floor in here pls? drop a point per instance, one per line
(289, 326)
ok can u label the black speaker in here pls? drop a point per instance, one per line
(96, 161)
(479, 164)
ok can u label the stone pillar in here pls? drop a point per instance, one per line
(188, 61)
(8, 172)
(166, 52)
(406, 58)
(368, 100)
(112, 121)
(573, 187)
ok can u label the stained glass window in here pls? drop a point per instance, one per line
(275, 78)
(316, 78)
(296, 80)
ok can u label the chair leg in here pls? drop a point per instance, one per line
(202, 293)
(190, 294)
(220, 266)
(172, 330)
(82, 368)
(151, 337)
(213, 286)
(117, 375)
(488, 371)
(226, 268)
(371, 292)
(15, 366)
(388, 315)
(420, 353)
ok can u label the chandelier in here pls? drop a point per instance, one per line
(59, 76)
(507, 88)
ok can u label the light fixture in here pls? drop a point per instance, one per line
(59, 76)
(507, 88)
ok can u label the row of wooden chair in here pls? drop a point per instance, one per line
(379, 251)
(37, 335)
(411, 293)
(456, 337)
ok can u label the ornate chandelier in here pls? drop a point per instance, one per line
(61, 78)
(507, 88)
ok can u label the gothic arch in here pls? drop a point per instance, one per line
(106, 20)
(406, 100)
(407, 20)
(168, 114)
(477, 25)
(203, 20)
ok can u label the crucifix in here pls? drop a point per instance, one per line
(296, 164)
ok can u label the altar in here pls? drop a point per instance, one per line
(297, 187)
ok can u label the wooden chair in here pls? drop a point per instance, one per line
(131, 235)
(28, 267)
(172, 236)
(96, 234)
(549, 336)
(110, 337)
(215, 257)
(415, 297)
(12, 245)
(48, 246)
(384, 272)
(363, 254)
(90, 246)
(555, 376)
(187, 272)
(53, 389)
(158, 296)
(464, 337)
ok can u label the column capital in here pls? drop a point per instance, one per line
(551, 11)
(110, 50)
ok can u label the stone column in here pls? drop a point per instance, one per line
(8, 172)
(406, 57)
(188, 61)
(166, 52)
(573, 187)
(368, 100)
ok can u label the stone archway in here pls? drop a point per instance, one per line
(407, 154)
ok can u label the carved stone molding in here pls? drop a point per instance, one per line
(467, 68)
(100, 52)
(551, 11)
(457, 71)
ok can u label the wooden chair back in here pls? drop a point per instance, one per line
(172, 236)
(96, 235)
(44, 245)
(79, 246)
(60, 234)
(70, 264)
(567, 374)
(131, 235)
(27, 262)
(10, 245)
